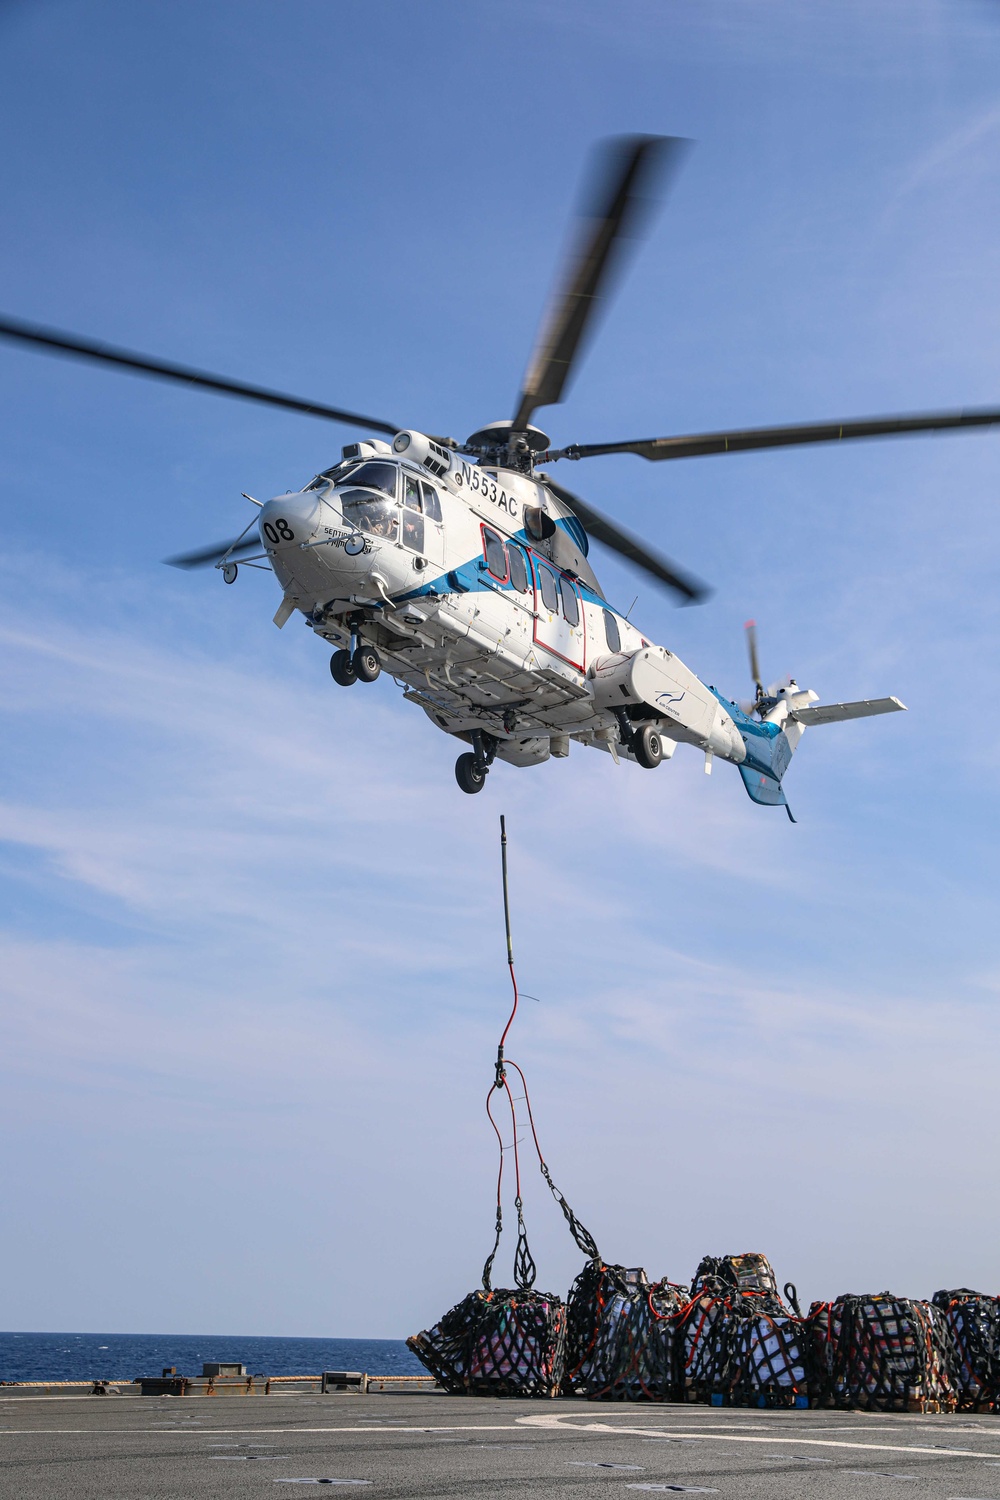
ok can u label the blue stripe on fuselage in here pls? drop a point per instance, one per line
(473, 578)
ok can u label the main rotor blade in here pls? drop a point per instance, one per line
(747, 439)
(619, 201)
(55, 341)
(691, 589)
(206, 555)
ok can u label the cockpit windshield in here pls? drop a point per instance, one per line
(370, 512)
(336, 475)
(377, 476)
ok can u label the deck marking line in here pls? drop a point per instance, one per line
(213, 1431)
(562, 1424)
(549, 1422)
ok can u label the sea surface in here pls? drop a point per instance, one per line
(124, 1356)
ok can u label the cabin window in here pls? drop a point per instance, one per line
(370, 512)
(518, 568)
(411, 493)
(611, 632)
(377, 476)
(496, 556)
(571, 608)
(549, 588)
(432, 503)
(413, 530)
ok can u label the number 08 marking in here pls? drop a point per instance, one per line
(279, 532)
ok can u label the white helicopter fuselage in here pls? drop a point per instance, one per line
(473, 584)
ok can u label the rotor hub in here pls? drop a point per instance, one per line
(503, 435)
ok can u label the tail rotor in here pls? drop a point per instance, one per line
(766, 697)
(750, 629)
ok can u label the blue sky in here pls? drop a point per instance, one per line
(251, 962)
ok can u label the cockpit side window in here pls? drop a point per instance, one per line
(611, 632)
(370, 513)
(411, 493)
(413, 530)
(377, 476)
(432, 503)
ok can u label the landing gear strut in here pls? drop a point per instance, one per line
(472, 768)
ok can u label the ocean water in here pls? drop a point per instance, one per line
(123, 1356)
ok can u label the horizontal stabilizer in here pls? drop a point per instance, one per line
(832, 713)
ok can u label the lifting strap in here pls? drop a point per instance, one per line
(525, 1269)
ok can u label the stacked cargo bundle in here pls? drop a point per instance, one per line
(973, 1321)
(620, 1339)
(739, 1343)
(881, 1353)
(497, 1343)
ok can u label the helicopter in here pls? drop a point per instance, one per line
(463, 569)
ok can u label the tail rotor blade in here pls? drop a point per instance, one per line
(751, 635)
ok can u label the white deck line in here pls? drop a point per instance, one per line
(562, 1424)
(718, 1437)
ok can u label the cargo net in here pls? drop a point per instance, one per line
(497, 1343)
(738, 1342)
(973, 1322)
(881, 1353)
(620, 1343)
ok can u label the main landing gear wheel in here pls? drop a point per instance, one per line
(341, 669)
(366, 663)
(470, 773)
(647, 747)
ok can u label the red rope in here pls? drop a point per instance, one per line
(513, 1013)
(531, 1118)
